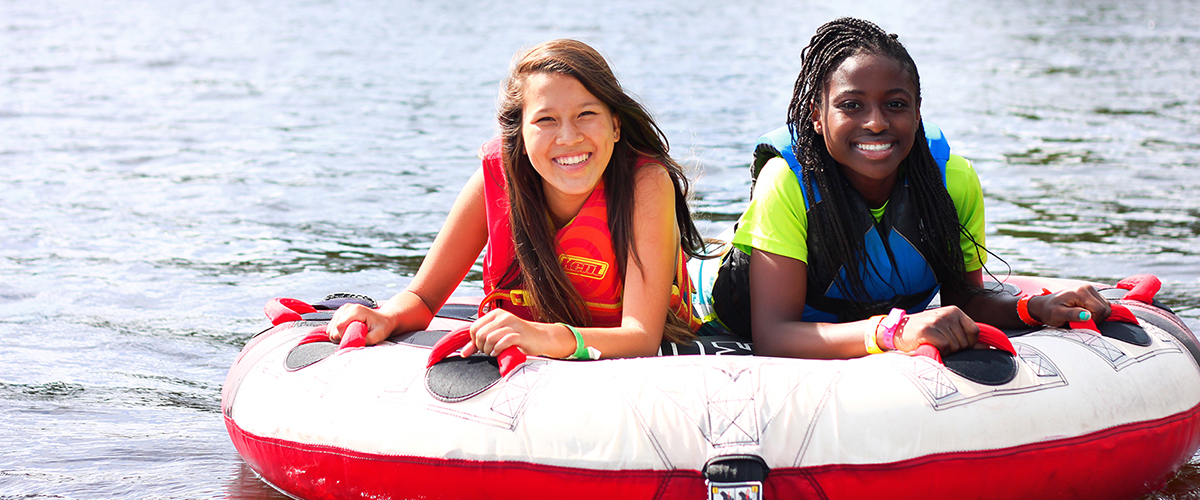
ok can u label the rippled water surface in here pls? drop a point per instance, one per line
(168, 166)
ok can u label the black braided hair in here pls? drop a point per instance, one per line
(832, 44)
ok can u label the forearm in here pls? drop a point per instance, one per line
(632, 339)
(998, 309)
(407, 312)
(801, 339)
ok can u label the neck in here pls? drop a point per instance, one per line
(563, 208)
(875, 192)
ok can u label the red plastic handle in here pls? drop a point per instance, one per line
(1142, 287)
(354, 336)
(317, 334)
(284, 310)
(509, 358)
(988, 335)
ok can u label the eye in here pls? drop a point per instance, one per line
(849, 105)
(588, 113)
(897, 104)
(544, 119)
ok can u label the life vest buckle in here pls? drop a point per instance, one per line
(516, 297)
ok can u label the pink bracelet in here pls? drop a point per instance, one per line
(893, 323)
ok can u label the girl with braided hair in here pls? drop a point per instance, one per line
(584, 217)
(855, 223)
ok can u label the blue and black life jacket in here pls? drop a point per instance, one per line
(895, 273)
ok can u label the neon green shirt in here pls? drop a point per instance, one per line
(776, 221)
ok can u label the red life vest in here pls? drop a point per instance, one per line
(584, 249)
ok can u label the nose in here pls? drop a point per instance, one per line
(568, 134)
(876, 121)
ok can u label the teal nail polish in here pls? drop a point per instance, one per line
(1084, 315)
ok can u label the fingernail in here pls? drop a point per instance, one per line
(1084, 315)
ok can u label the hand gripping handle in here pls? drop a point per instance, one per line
(354, 336)
(988, 335)
(1119, 313)
(509, 358)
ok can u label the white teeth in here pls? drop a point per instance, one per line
(572, 160)
(873, 147)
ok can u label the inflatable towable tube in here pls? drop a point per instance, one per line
(1096, 411)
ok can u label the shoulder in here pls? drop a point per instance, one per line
(648, 170)
(775, 220)
(962, 181)
(491, 149)
(777, 183)
(652, 182)
(490, 154)
(959, 169)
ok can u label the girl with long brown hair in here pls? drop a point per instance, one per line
(583, 215)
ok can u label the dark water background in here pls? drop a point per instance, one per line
(167, 166)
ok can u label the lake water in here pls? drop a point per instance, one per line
(168, 166)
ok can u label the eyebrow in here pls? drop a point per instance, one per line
(896, 90)
(584, 106)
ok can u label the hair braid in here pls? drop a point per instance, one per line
(832, 44)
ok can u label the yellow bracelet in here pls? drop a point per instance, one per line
(869, 335)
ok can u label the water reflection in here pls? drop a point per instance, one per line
(246, 485)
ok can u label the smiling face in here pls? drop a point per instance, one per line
(569, 136)
(869, 117)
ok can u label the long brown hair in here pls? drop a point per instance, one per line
(549, 292)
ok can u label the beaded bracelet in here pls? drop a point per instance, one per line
(1023, 308)
(869, 335)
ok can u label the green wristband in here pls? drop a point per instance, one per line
(581, 351)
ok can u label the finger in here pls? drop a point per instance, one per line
(1102, 309)
(970, 331)
(948, 342)
(479, 331)
(493, 339)
(331, 328)
(334, 330)
(341, 318)
(942, 336)
(468, 350)
(958, 337)
(509, 340)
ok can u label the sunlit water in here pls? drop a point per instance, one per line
(168, 166)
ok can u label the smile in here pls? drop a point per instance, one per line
(573, 160)
(874, 147)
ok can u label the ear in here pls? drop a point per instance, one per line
(818, 127)
(616, 128)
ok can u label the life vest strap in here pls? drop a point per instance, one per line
(515, 297)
